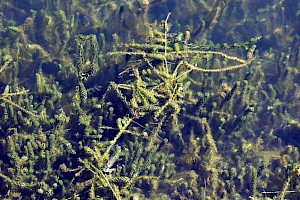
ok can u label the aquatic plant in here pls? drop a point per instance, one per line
(92, 109)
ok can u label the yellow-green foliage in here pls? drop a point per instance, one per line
(98, 102)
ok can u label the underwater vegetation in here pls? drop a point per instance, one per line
(149, 99)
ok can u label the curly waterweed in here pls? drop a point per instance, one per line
(7, 62)
(81, 41)
(5, 96)
(165, 61)
(179, 121)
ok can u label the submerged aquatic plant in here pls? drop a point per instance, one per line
(117, 116)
